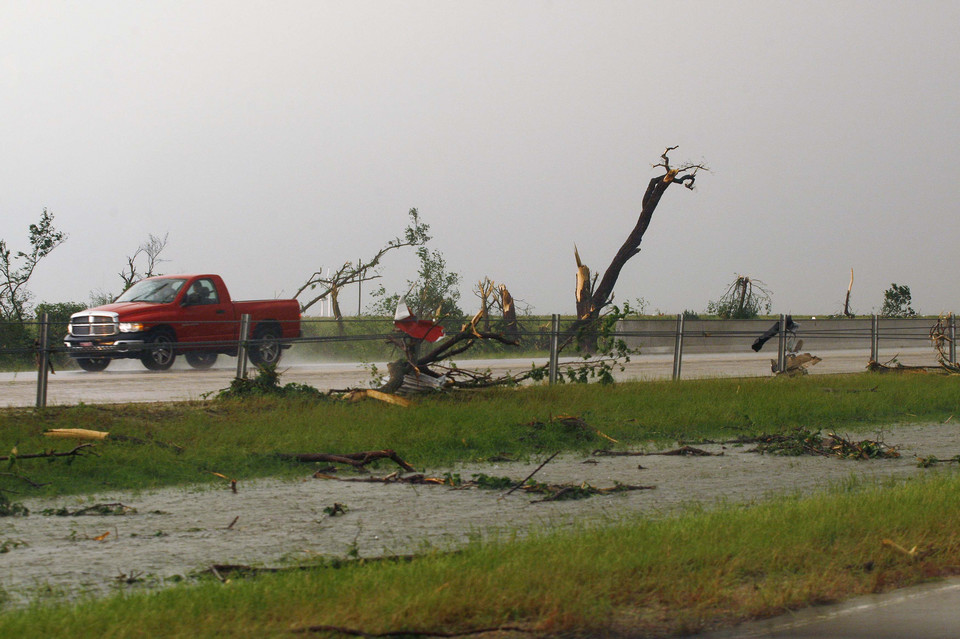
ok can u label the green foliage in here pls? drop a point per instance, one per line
(433, 293)
(12, 508)
(600, 348)
(17, 268)
(896, 302)
(266, 383)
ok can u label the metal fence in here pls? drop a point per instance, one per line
(368, 339)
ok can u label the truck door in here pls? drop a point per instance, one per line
(205, 317)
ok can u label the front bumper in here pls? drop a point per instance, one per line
(124, 345)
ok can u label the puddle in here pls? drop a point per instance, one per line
(180, 530)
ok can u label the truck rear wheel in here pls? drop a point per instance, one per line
(201, 360)
(159, 353)
(93, 364)
(266, 349)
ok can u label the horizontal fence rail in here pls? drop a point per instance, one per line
(366, 339)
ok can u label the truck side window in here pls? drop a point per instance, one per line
(202, 292)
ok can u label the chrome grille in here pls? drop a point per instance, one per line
(93, 326)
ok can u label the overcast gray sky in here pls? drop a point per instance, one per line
(272, 138)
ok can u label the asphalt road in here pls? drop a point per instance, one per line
(126, 381)
(930, 611)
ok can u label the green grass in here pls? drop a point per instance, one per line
(644, 577)
(239, 438)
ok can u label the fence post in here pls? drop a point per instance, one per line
(782, 345)
(875, 338)
(43, 361)
(554, 349)
(678, 348)
(242, 346)
(953, 338)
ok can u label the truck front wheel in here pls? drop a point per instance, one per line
(93, 364)
(201, 360)
(266, 349)
(159, 353)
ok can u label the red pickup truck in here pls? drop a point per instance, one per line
(160, 317)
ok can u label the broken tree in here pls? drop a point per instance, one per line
(593, 297)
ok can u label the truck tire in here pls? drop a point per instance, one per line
(201, 360)
(159, 352)
(93, 364)
(266, 350)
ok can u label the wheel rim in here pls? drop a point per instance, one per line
(162, 350)
(268, 349)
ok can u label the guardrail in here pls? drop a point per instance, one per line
(678, 335)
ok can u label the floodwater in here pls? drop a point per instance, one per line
(178, 531)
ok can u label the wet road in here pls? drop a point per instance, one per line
(929, 611)
(126, 381)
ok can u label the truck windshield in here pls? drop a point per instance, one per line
(157, 291)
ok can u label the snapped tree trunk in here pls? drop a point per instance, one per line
(593, 302)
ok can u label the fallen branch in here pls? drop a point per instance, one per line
(688, 451)
(111, 509)
(553, 492)
(357, 460)
(409, 633)
(527, 478)
(78, 451)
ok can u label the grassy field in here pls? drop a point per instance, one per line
(170, 444)
(658, 577)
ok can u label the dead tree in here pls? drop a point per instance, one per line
(330, 285)
(150, 251)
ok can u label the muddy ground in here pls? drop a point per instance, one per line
(176, 532)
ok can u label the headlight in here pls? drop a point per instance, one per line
(130, 327)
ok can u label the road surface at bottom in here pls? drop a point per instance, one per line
(929, 611)
(126, 381)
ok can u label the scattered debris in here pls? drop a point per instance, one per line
(233, 482)
(894, 366)
(354, 632)
(927, 462)
(683, 451)
(551, 492)
(806, 442)
(231, 524)
(940, 336)
(357, 395)
(12, 508)
(914, 553)
(536, 470)
(773, 331)
(356, 460)
(336, 509)
(101, 510)
(796, 364)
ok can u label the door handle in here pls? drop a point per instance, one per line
(221, 312)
